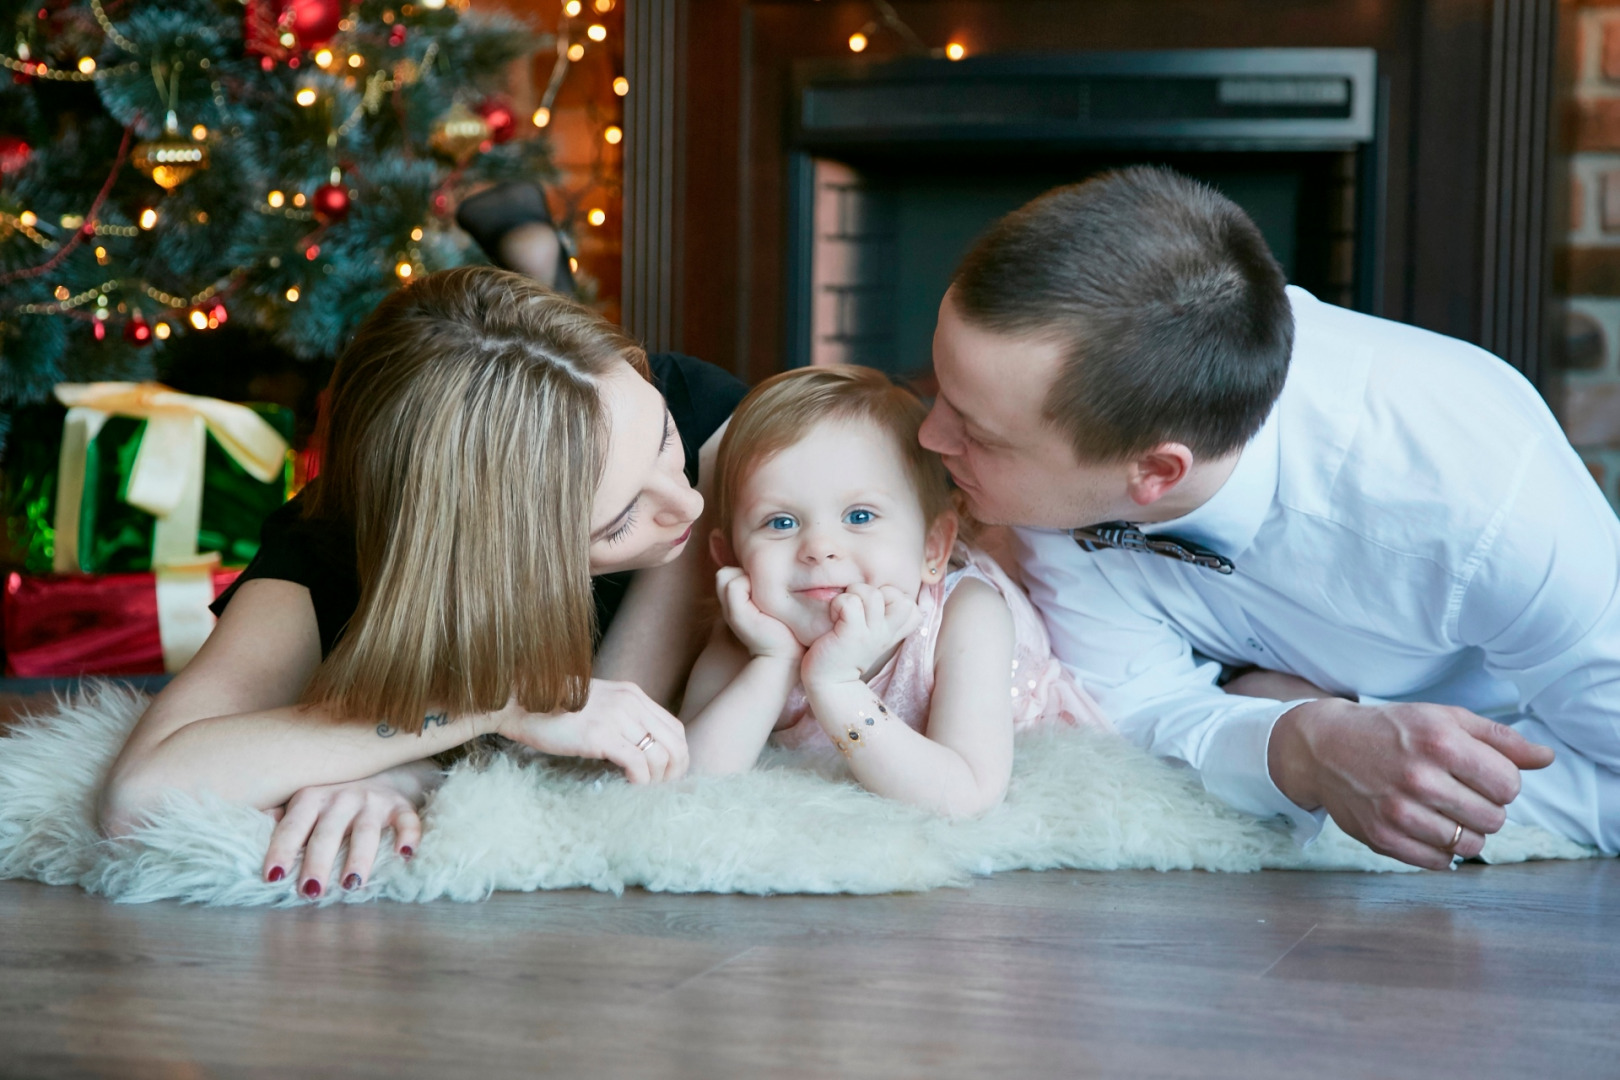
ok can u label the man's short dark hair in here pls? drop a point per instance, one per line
(1167, 301)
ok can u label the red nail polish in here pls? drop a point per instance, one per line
(276, 874)
(312, 888)
(352, 882)
(406, 853)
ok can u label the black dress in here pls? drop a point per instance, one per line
(319, 555)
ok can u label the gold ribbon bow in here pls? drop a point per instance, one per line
(166, 481)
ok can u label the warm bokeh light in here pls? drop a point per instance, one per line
(355, 59)
(323, 58)
(596, 32)
(87, 64)
(199, 132)
(604, 6)
(28, 219)
(541, 117)
(293, 294)
(597, 216)
(305, 97)
(956, 50)
(298, 198)
(416, 233)
(162, 330)
(276, 199)
(576, 51)
(148, 218)
(621, 86)
(199, 320)
(572, 9)
(403, 270)
(614, 134)
(857, 42)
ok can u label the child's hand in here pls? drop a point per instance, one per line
(866, 623)
(760, 634)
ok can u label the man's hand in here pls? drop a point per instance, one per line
(759, 633)
(866, 623)
(1400, 778)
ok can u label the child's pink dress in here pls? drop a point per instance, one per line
(1042, 691)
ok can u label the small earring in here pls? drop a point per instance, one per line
(932, 570)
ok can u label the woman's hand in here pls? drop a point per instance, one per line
(619, 723)
(866, 623)
(759, 633)
(316, 820)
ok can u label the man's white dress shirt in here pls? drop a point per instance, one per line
(1409, 524)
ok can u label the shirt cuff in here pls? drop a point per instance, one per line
(1236, 769)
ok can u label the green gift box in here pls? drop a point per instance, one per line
(149, 478)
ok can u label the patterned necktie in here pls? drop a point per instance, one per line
(1127, 537)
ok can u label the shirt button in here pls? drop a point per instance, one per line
(1256, 646)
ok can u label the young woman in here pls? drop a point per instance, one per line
(493, 449)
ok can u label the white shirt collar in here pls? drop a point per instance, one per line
(1230, 520)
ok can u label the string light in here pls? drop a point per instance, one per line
(857, 42)
(198, 319)
(28, 219)
(87, 65)
(162, 330)
(323, 58)
(198, 132)
(576, 51)
(573, 264)
(355, 60)
(298, 198)
(604, 6)
(596, 32)
(403, 270)
(276, 199)
(292, 294)
(955, 50)
(305, 97)
(61, 292)
(101, 256)
(542, 116)
(614, 135)
(148, 218)
(416, 233)
(572, 9)
(621, 86)
(597, 216)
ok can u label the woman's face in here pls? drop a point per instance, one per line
(644, 508)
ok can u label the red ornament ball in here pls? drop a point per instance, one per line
(501, 119)
(218, 311)
(14, 154)
(312, 22)
(138, 331)
(396, 36)
(330, 202)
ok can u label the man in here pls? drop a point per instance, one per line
(1365, 507)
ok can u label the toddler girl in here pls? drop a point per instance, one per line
(851, 611)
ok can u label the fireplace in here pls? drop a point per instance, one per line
(895, 167)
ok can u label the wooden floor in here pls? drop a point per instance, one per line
(1484, 972)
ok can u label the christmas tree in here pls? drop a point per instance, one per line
(166, 167)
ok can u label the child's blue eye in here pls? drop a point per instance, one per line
(781, 522)
(859, 517)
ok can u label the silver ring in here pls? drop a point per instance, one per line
(647, 740)
(1455, 837)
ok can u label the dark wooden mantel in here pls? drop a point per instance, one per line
(1467, 84)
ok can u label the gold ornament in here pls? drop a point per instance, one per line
(459, 133)
(171, 160)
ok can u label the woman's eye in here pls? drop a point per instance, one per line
(781, 522)
(859, 517)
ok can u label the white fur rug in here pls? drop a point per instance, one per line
(795, 825)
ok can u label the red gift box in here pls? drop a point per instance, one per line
(61, 626)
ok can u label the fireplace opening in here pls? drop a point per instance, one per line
(887, 200)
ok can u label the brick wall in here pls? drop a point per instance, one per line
(1587, 392)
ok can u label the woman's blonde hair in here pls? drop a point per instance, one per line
(464, 440)
(780, 411)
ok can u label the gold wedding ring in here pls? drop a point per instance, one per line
(647, 740)
(1456, 836)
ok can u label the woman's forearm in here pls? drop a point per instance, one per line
(260, 759)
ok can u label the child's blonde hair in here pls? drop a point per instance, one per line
(781, 411)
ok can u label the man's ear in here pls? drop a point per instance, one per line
(941, 539)
(720, 548)
(1156, 473)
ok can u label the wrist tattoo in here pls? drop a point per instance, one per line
(855, 733)
(385, 730)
